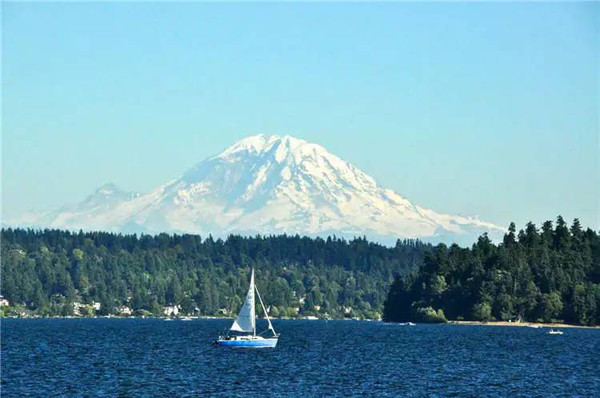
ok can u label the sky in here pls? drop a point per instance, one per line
(465, 108)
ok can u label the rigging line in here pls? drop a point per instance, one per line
(265, 310)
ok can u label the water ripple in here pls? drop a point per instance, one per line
(140, 358)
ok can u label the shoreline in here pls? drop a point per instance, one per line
(533, 325)
(177, 318)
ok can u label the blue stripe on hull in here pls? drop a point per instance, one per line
(266, 343)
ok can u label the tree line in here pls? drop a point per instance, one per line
(548, 274)
(50, 272)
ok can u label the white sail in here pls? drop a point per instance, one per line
(246, 319)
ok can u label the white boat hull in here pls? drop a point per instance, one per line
(253, 342)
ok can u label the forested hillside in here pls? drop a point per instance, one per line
(55, 272)
(552, 274)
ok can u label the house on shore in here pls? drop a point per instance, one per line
(79, 308)
(124, 310)
(171, 310)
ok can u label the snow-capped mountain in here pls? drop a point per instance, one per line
(268, 184)
(103, 200)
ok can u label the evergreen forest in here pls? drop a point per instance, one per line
(56, 272)
(550, 274)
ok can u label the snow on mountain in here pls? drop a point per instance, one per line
(269, 184)
(82, 215)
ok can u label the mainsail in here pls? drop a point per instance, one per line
(246, 319)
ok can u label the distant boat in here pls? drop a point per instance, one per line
(246, 323)
(186, 318)
(555, 331)
(406, 324)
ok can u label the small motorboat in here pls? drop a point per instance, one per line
(555, 331)
(406, 324)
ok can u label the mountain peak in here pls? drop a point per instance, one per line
(261, 144)
(107, 194)
(108, 189)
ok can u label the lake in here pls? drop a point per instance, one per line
(152, 357)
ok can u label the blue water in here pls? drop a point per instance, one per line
(135, 357)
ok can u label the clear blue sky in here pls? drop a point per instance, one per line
(477, 109)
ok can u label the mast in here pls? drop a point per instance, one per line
(252, 287)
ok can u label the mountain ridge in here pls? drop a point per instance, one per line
(269, 184)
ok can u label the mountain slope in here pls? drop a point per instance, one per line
(269, 184)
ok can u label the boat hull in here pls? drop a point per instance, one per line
(252, 343)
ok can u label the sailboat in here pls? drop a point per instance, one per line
(245, 324)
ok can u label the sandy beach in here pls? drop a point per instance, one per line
(522, 324)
